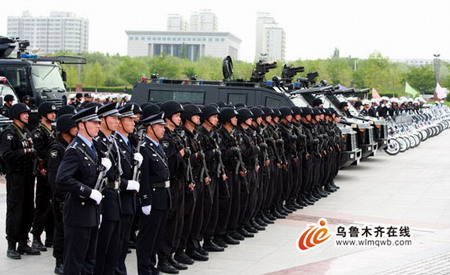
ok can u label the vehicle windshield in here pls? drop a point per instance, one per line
(6, 90)
(46, 77)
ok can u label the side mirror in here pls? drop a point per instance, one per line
(64, 75)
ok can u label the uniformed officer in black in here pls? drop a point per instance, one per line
(213, 158)
(154, 194)
(130, 162)
(174, 148)
(8, 99)
(19, 155)
(43, 135)
(108, 243)
(77, 175)
(67, 131)
(77, 102)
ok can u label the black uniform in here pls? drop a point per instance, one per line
(55, 155)
(108, 243)
(154, 191)
(127, 199)
(77, 175)
(19, 182)
(43, 215)
(4, 110)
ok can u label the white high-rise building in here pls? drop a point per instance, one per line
(203, 21)
(175, 22)
(270, 38)
(57, 32)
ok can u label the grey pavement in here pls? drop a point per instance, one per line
(412, 188)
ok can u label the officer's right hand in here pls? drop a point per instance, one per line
(133, 185)
(146, 209)
(96, 196)
(106, 162)
(29, 151)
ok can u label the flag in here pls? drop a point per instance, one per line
(441, 93)
(375, 94)
(410, 90)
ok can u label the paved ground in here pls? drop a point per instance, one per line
(411, 189)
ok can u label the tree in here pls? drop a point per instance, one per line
(422, 79)
(93, 75)
(131, 69)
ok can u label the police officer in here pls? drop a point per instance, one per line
(154, 194)
(108, 242)
(194, 197)
(174, 148)
(77, 175)
(229, 197)
(19, 155)
(67, 131)
(213, 157)
(87, 99)
(43, 136)
(8, 99)
(130, 161)
(77, 102)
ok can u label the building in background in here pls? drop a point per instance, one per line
(270, 39)
(183, 44)
(175, 22)
(61, 31)
(417, 62)
(203, 21)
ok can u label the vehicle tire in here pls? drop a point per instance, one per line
(412, 141)
(402, 143)
(417, 138)
(393, 147)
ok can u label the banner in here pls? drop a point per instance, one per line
(410, 90)
(375, 94)
(440, 93)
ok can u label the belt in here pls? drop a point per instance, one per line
(163, 184)
(112, 185)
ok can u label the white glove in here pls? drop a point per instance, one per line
(133, 185)
(146, 209)
(106, 162)
(96, 196)
(139, 158)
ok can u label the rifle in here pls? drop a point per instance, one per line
(136, 170)
(100, 179)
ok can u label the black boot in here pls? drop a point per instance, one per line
(194, 254)
(37, 244)
(220, 242)
(183, 258)
(12, 253)
(245, 233)
(201, 250)
(59, 268)
(229, 239)
(24, 248)
(176, 264)
(166, 267)
(257, 226)
(210, 245)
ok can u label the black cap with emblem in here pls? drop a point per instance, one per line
(109, 109)
(128, 111)
(86, 114)
(153, 119)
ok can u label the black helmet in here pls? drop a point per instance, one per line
(306, 111)
(64, 123)
(267, 111)
(296, 110)
(244, 114)
(357, 104)
(150, 109)
(190, 110)
(343, 104)
(226, 114)
(276, 112)
(257, 112)
(8, 97)
(316, 111)
(26, 97)
(170, 108)
(46, 107)
(136, 109)
(17, 109)
(208, 111)
(317, 102)
(285, 111)
(67, 109)
(240, 105)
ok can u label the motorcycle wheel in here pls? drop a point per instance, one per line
(393, 147)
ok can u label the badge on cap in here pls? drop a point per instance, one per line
(165, 144)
